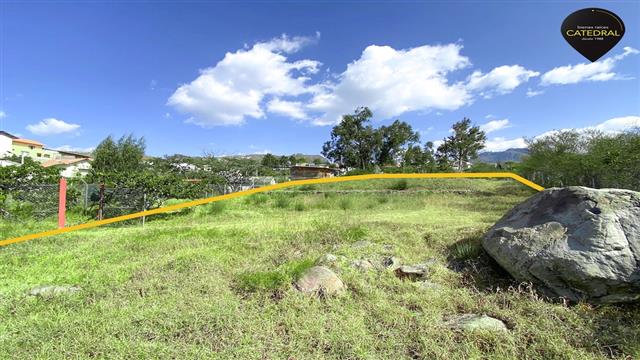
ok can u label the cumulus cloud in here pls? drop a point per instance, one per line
(233, 89)
(495, 125)
(596, 71)
(501, 144)
(52, 126)
(391, 82)
(501, 80)
(611, 126)
(292, 109)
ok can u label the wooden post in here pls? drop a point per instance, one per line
(62, 202)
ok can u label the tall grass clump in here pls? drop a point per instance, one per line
(401, 184)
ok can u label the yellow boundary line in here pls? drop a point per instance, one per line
(93, 224)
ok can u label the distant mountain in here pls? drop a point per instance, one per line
(493, 157)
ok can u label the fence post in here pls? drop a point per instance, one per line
(62, 202)
(101, 202)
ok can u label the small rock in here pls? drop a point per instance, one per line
(361, 244)
(412, 272)
(53, 290)
(391, 263)
(363, 265)
(326, 259)
(427, 285)
(473, 322)
(321, 281)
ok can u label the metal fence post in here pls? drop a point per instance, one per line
(101, 203)
(62, 202)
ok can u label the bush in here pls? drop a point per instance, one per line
(401, 184)
(282, 202)
(214, 208)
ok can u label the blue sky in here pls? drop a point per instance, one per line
(232, 78)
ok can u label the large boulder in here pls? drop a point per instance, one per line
(575, 242)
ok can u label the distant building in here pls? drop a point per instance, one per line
(311, 172)
(70, 167)
(6, 143)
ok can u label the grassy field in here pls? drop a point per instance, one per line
(215, 282)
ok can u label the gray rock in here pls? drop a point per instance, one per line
(412, 272)
(575, 242)
(474, 322)
(326, 259)
(319, 280)
(361, 244)
(363, 265)
(53, 290)
(390, 263)
(427, 285)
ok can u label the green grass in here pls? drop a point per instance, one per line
(216, 282)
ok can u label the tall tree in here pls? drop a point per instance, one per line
(121, 157)
(270, 161)
(458, 149)
(395, 140)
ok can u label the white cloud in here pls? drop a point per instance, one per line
(596, 71)
(234, 88)
(532, 93)
(292, 109)
(391, 82)
(3, 114)
(611, 126)
(501, 80)
(52, 126)
(501, 144)
(495, 125)
(75, 148)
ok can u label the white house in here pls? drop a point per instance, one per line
(6, 142)
(71, 167)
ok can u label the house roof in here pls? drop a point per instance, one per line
(316, 168)
(8, 135)
(83, 155)
(28, 142)
(63, 162)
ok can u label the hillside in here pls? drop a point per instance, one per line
(216, 282)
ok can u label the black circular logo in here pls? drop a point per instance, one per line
(592, 31)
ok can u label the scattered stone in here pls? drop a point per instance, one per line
(363, 265)
(389, 248)
(361, 244)
(53, 290)
(321, 281)
(412, 272)
(391, 263)
(473, 322)
(326, 259)
(427, 285)
(578, 243)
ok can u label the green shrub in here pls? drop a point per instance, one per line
(401, 184)
(466, 249)
(262, 280)
(214, 208)
(282, 202)
(308, 187)
(299, 206)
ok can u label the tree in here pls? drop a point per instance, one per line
(270, 161)
(395, 139)
(122, 157)
(458, 149)
(420, 158)
(355, 143)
